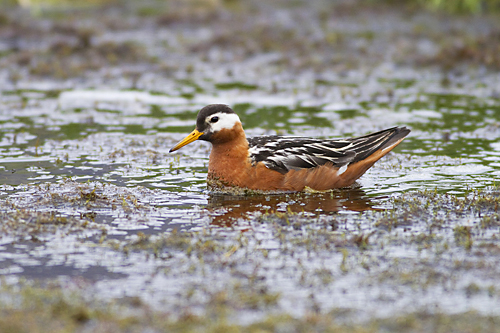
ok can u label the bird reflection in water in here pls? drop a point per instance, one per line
(228, 208)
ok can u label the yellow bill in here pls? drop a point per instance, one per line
(193, 136)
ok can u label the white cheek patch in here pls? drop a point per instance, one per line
(226, 121)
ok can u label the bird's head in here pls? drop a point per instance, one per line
(216, 123)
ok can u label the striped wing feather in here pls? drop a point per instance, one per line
(293, 153)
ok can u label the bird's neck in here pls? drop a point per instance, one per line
(229, 158)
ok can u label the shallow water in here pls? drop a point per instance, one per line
(85, 172)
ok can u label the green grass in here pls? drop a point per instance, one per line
(453, 6)
(463, 6)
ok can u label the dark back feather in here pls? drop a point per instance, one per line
(284, 153)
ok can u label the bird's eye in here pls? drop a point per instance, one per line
(214, 119)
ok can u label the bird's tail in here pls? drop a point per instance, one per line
(369, 149)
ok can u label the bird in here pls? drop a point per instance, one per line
(283, 163)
